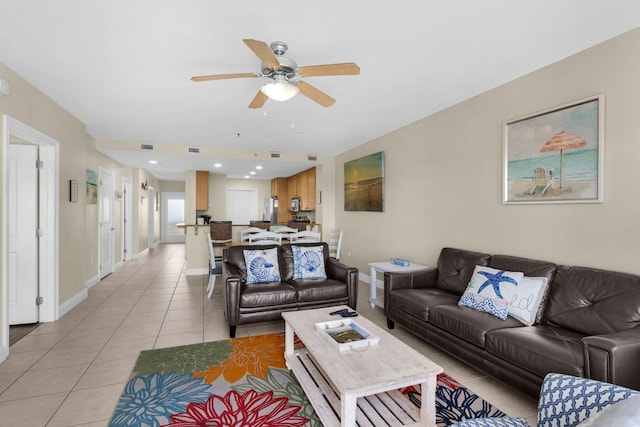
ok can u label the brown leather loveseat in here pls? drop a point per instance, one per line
(589, 325)
(262, 302)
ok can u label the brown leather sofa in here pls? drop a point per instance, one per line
(262, 302)
(589, 327)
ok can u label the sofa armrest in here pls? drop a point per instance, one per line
(337, 271)
(232, 283)
(410, 280)
(614, 357)
(566, 400)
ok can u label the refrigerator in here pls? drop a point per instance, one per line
(271, 210)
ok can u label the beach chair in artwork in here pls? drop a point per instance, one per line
(541, 181)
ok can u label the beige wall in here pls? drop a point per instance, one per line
(443, 175)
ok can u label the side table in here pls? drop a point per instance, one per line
(387, 266)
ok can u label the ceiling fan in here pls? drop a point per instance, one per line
(284, 76)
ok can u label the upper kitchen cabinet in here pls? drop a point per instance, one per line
(202, 190)
(279, 189)
(303, 185)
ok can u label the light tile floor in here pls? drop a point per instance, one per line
(71, 372)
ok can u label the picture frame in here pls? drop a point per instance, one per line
(555, 156)
(92, 187)
(364, 183)
(73, 190)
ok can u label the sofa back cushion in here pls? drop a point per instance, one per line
(592, 301)
(286, 258)
(455, 267)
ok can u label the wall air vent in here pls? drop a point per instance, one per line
(275, 155)
(312, 158)
(194, 150)
(146, 146)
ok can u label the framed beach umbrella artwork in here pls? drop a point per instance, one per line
(556, 156)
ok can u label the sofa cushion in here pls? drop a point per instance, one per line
(267, 294)
(592, 301)
(528, 299)
(262, 265)
(234, 257)
(530, 267)
(418, 302)
(286, 257)
(319, 289)
(539, 349)
(455, 267)
(308, 262)
(491, 290)
(468, 324)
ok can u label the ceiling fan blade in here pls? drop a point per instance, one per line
(259, 100)
(346, 69)
(263, 51)
(315, 94)
(222, 77)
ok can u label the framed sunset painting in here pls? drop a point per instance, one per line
(364, 183)
(556, 156)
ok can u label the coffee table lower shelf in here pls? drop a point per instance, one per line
(383, 409)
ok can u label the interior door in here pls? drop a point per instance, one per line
(107, 196)
(22, 216)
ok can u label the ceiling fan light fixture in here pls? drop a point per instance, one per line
(279, 89)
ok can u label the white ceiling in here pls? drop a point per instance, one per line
(123, 67)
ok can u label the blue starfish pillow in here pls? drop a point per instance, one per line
(262, 265)
(308, 262)
(490, 290)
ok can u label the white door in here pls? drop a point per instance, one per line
(107, 195)
(126, 219)
(172, 214)
(22, 216)
(151, 197)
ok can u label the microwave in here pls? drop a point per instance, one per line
(295, 204)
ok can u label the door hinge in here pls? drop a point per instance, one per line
(39, 232)
(39, 300)
(39, 164)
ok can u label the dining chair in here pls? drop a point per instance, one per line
(287, 233)
(213, 270)
(335, 241)
(244, 234)
(306, 237)
(265, 237)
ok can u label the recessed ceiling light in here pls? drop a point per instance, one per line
(246, 176)
(259, 167)
(217, 165)
(153, 162)
(252, 173)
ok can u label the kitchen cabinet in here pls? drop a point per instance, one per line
(307, 190)
(280, 189)
(202, 190)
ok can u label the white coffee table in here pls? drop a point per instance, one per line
(387, 266)
(359, 383)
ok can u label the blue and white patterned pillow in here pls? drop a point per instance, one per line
(308, 262)
(262, 265)
(490, 290)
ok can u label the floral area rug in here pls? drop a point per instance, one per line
(244, 382)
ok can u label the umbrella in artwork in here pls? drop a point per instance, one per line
(560, 142)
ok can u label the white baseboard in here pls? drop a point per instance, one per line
(4, 352)
(93, 281)
(66, 306)
(196, 271)
(118, 266)
(367, 279)
(141, 254)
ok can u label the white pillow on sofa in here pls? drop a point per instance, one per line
(262, 265)
(491, 290)
(527, 300)
(308, 262)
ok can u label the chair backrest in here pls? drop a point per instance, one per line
(244, 234)
(307, 236)
(220, 231)
(286, 232)
(540, 176)
(265, 237)
(212, 258)
(335, 241)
